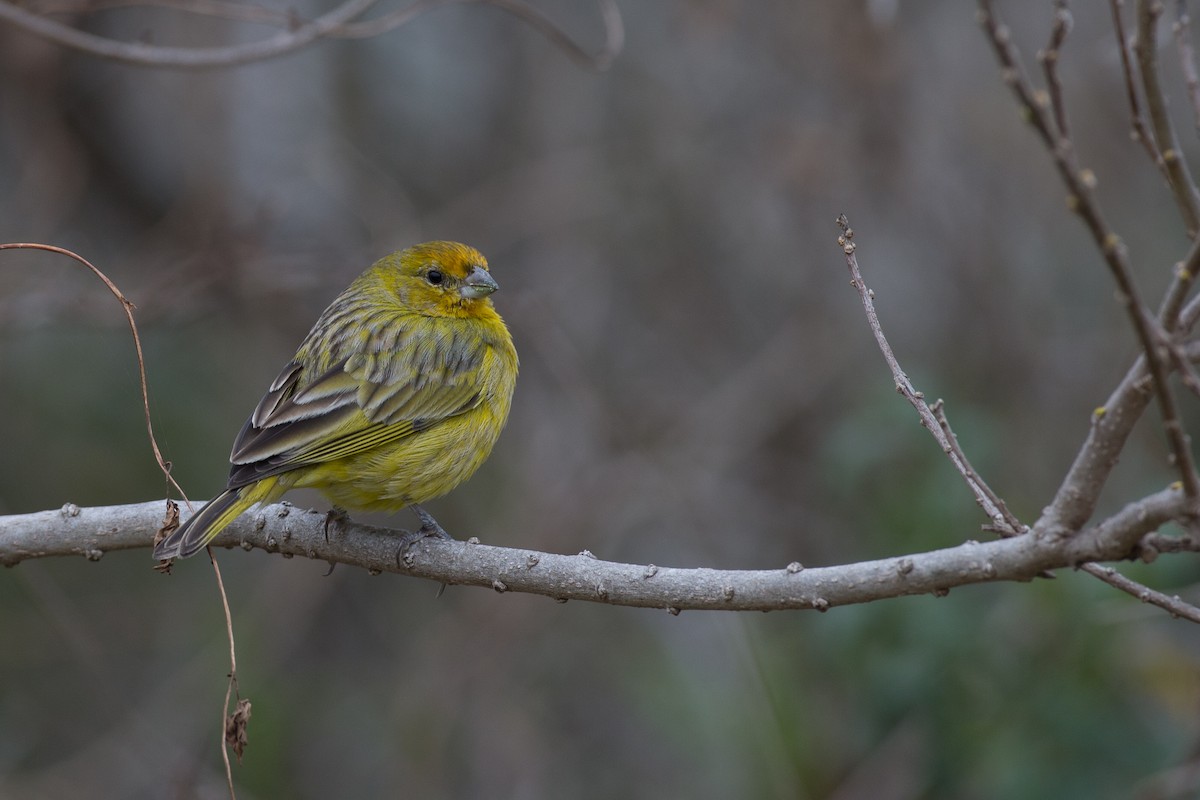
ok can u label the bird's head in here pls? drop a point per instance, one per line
(438, 279)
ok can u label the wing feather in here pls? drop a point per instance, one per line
(367, 398)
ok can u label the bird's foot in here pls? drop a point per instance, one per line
(429, 528)
(429, 525)
(335, 517)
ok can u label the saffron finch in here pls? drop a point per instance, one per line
(396, 396)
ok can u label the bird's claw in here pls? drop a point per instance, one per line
(336, 516)
(429, 525)
(409, 538)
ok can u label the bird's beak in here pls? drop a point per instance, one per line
(479, 283)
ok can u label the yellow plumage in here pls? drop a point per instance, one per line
(396, 396)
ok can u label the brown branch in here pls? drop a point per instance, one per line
(222, 9)
(231, 688)
(1049, 60)
(1013, 526)
(1145, 49)
(613, 27)
(1141, 132)
(987, 498)
(1187, 57)
(983, 495)
(143, 54)
(1081, 199)
(93, 532)
(128, 308)
(342, 21)
(1171, 603)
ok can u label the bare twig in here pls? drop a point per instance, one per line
(292, 532)
(1049, 60)
(144, 54)
(1181, 284)
(1082, 201)
(983, 495)
(342, 21)
(1012, 526)
(1141, 132)
(1145, 49)
(613, 27)
(1187, 57)
(224, 9)
(231, 688)
(1007, 523)
(1171, 603)
(128, 308)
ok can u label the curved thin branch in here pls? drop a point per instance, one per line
(283, 529)
(614, 29)
(185, 57)
(991, 504)
(341, 22)
(127, 307)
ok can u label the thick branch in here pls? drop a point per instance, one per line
(92, 532)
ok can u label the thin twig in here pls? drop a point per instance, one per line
(232, 688)
(1079, 185)
(1170, 603)
(1049, 60)
(223, 9)
(1013, 526)
(1187, 57)
(144, 54)
(983, 495)
(1187, 372)
(1145, 49)
(1141, 132)
(613, 27)
(128, 308)
(342, 21)
(1177, 292)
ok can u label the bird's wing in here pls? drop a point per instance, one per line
(366, 400)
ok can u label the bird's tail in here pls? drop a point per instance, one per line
(203, 526)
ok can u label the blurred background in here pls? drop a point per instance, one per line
(698, 388)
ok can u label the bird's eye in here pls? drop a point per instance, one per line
(435, 277)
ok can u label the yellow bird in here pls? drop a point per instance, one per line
(396, 396)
